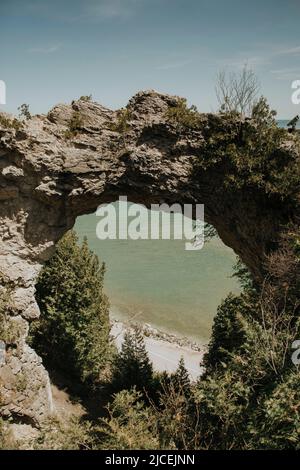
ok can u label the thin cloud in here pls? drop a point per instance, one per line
(174, 65)
(111, 9)
(289, 51)
(239, 63)
(270, 57)
(44, 50)
(76, 11)
(292, 73)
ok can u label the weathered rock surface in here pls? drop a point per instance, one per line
(48, 178)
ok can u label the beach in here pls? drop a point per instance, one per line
(165, 350)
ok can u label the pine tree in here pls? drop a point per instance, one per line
(181, 379)
(132, 365)
(72, 334)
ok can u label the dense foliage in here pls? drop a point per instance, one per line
(248, 397)
(72, 334)
(184, 117)
(254, 151)
(129, 425)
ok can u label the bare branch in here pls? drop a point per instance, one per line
(237, 91)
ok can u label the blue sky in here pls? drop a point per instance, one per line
(55, 51)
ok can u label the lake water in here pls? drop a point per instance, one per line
(159, 282)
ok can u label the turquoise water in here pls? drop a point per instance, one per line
(159, 282)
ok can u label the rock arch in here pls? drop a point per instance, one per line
(50, 174)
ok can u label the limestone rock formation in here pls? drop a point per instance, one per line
(56, 167)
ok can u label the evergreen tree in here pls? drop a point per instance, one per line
(72, 334)
(132, 365)
(181, 379)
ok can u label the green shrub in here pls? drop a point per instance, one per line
(66, 434)
(24, 111)
(75, 124)
(184, 117)
(254, 152)
(10, 328)
(122, 123)
(177, 416)
(10, 123)
(223, 400)
(130, 425)
(276, 422)
(86, 98)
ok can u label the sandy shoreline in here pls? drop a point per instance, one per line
(164, 349)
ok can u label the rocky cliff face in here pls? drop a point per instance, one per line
(57, 167)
